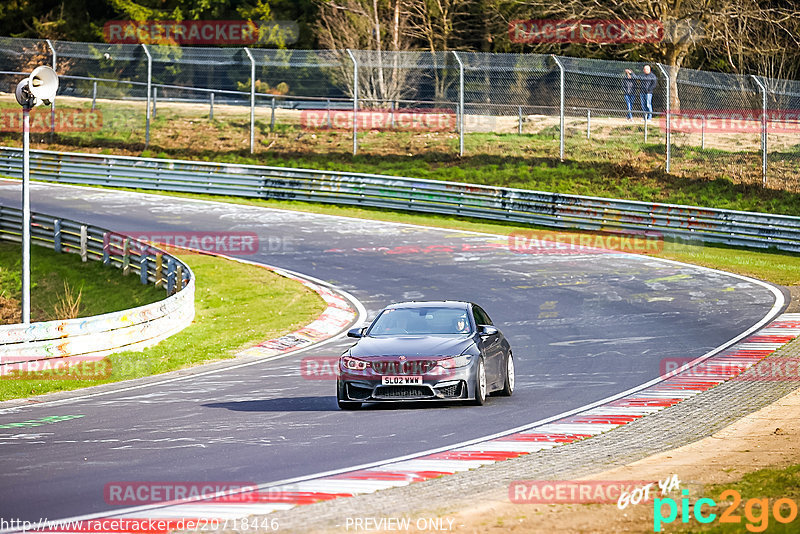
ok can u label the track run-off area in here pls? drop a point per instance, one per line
(583, 327)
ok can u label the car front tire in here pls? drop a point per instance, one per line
(510, 378)
(480, 384)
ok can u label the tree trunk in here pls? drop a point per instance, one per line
(379, 52)
(673, 57)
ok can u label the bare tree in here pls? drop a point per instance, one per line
(759, 35)
(681, 20)
(372, 27)
(432, 23)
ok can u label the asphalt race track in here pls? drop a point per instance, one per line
(582, 327)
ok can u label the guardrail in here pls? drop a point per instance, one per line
(91, 338)
(739, 228)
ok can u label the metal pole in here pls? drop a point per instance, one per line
(519, 121)
(53, 103)
(588, 123)
(26, 215)
(703, 134)
(94, 94)
(669, 117)
(211, 108)
(328, 107)
(763, 89)
(460, 104)
(252, 98)
(560, 109)
(149, 84)
(355, 101)
(272, 117)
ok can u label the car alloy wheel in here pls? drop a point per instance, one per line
(480, 384)
(508, 385)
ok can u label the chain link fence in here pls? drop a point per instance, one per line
(539, 106)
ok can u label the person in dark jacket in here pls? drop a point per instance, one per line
(647, 86)
(628, 91)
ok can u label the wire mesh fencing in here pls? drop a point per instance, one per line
(649, 116)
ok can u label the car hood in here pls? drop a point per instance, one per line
(411, 346)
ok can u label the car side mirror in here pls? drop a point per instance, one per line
(487, 330)
(356, 332)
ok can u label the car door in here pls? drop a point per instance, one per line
(491, 347)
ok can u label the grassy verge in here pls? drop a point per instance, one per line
(765, 486)
(236, 305)
(63, 287)
(615, 162)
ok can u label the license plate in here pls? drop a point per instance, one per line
(401, 380)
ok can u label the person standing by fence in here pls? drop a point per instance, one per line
(628, 91)
(647, 86)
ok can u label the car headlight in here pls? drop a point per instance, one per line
(456, 361)
(354, 364)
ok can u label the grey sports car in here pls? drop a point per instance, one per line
(420, 351)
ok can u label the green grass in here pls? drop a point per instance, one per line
(236, 305)
(101, 289)
(615, 162)
(771, 484)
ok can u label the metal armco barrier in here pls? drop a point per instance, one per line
(91, 338)
(740, 228)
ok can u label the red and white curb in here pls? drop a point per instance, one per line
(661, 393)
(338, 314)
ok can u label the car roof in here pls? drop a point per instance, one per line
(455, 304)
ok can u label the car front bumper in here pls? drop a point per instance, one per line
(458, 385)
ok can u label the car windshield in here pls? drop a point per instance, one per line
(421, 321)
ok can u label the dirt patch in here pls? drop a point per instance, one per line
(10, 311)
(794, 303)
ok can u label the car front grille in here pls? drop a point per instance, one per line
(404, 392)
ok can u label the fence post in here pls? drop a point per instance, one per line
(252, 98)
(84, 243)
(126, 255)
(159, 269)
(143, 269)
(272, 117)
(149, 84)
(763, 89)
(668, 116)
(588, 123)
(94, 94)
(57, 235)
(328, 106)
(560, 107)
(355, 101)
(703, 134)
(106, 247)
(211, 108)
(519, 122)
(170, 275)
(460, 104)
(53, 103)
